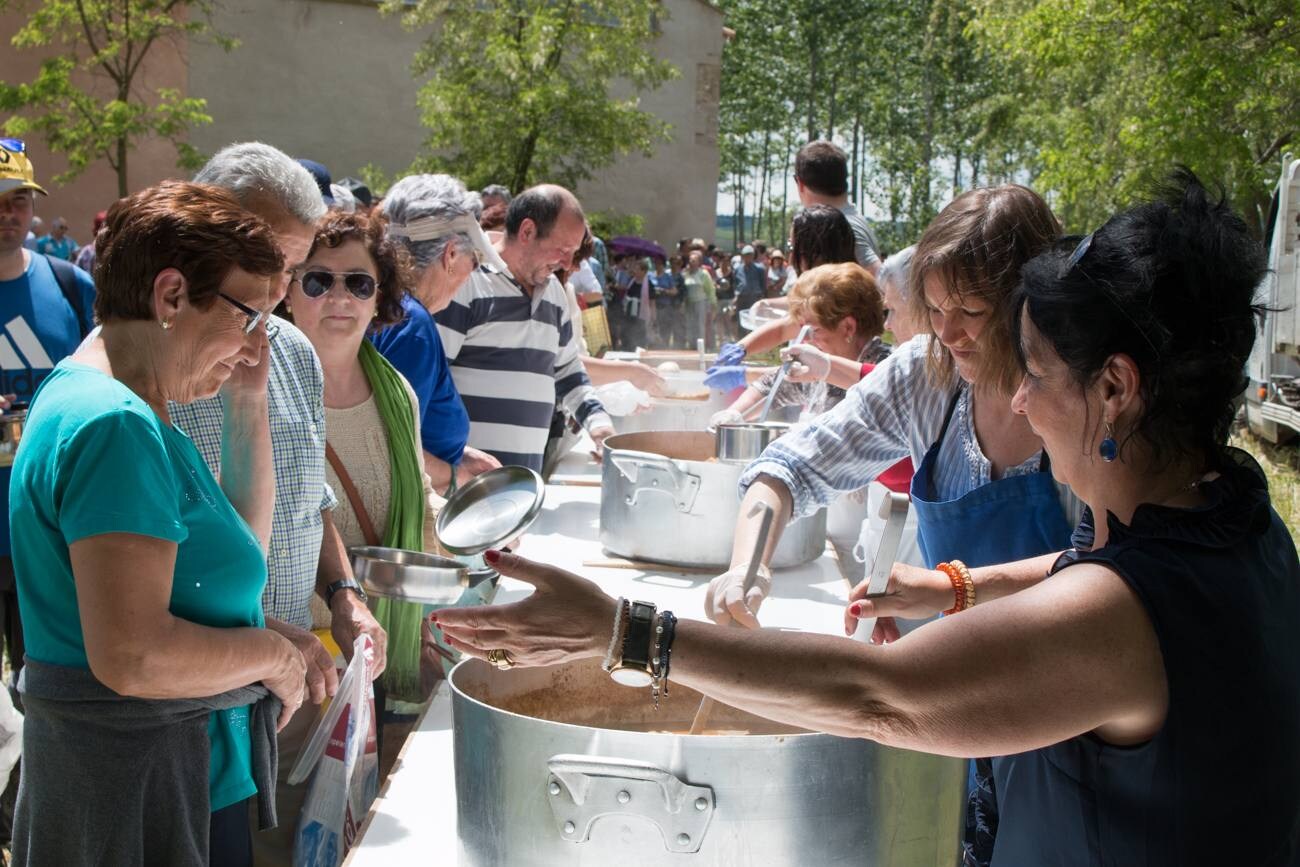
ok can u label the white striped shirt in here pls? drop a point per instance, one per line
(513, 357)
(896, 411)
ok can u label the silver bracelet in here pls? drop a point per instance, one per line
(620, 612)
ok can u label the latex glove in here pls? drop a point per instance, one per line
(726, 600)
(730, 354)
(810, 364)
(725, 416)
(725, 377)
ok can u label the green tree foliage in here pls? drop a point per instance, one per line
(521, 90)
(1088, 101)
(1115, 92)
(86, 101)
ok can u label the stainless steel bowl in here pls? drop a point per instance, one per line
(491, 510)
(409, 575)
(742, 443)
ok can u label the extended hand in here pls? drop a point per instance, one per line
(726, 599)
(474, 463)
(598, 436)
(646, 378)
(725, 377)
(322, 678)
(565, 618)
(912, 593)
(809, 364)
(351, 618)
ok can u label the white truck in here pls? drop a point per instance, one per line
(1273, 396)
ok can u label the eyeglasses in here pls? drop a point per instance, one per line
(13, 145)
(317, 283)
(253, 317)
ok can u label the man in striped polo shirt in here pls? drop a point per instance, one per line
(509, 338)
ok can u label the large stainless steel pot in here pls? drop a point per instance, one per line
(665, 498)
(562, 766)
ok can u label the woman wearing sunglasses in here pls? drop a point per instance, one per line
(350, 286)
(140, 576)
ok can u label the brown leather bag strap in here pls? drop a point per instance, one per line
(354, 496)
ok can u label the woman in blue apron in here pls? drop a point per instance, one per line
(1013, 518)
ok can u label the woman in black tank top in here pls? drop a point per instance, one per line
(1142, 691)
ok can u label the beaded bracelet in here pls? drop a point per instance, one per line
(665, 630)
(963, 586)
(967, 581)
(622, 611)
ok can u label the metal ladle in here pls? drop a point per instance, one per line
(780, 374)
(702, 715)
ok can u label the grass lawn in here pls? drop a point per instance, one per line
(1282, 466)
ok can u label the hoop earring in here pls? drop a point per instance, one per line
(1108, 449)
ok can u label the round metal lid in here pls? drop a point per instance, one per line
(491, 510)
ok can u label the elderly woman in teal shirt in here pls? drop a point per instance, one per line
(138, 573)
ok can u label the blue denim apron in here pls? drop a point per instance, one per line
(1000, 522)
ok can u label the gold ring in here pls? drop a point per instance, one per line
(501, 659)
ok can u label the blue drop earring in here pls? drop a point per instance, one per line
(1108, 449)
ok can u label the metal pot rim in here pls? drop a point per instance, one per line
(473, 662)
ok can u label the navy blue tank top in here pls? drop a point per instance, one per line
(1219, 784)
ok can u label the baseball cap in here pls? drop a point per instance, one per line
(322, 177)
(747, 250)
(16, 171)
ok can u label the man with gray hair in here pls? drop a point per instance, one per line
(436, 219)
(495, 194)
(510, 339)
(306, 553)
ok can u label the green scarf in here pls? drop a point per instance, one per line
(406, 504)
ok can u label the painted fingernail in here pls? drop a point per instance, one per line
(856, 609)
(492, 556)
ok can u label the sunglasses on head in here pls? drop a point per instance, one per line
(13, 145)
(316, 284)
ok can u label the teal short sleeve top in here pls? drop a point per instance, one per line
(94, 458)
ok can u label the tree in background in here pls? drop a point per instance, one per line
(1115, 93)
(1085, 100)
(86, 101)
(521, 90)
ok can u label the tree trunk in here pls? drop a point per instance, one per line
(737, 210)
(741, 233)
(813, 57)
(524, 161)
(785, 179)
(761, 208)
(122, 188)
(853, 161)
(956, 171)
(830, 120)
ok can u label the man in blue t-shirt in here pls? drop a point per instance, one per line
(38, 327)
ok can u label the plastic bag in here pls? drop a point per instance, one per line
(344, 753)
(623, 398)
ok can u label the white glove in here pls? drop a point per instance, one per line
(810, 364)
(725, 416)
(726, 600)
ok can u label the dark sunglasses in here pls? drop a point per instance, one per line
(316, 283)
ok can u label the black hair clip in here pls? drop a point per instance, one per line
(1075, 257)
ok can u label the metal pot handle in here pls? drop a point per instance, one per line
(650, 472)
(582, 789)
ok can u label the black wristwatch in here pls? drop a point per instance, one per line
(634, 668)
(345, 584)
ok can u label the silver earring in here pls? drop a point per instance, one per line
(166, 325)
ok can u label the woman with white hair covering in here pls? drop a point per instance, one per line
(435, 219)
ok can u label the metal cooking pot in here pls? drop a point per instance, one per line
(665, 498)
(562, 766)
(409, 576)
(743, 442)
